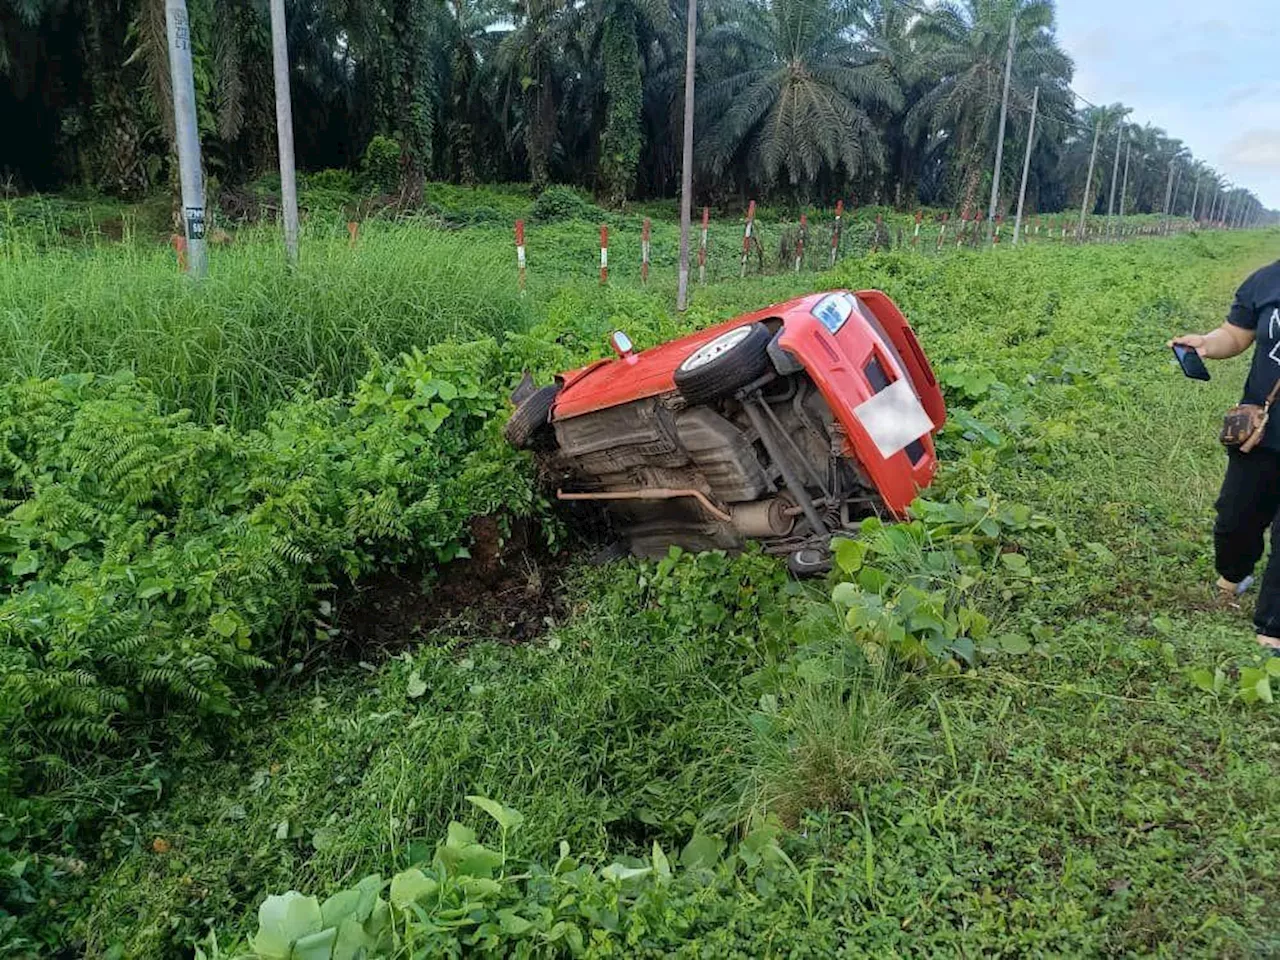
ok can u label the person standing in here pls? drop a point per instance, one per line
(1250, 499)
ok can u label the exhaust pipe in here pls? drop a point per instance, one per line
(651, 493)
(763, 519)
(759, 520)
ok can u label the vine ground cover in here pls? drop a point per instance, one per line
(1077, 793)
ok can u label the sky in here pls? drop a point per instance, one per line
(1208, 73)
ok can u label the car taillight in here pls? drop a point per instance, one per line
(914, 344)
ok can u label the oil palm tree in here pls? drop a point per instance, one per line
(1073, 168)
(884, 31)
(794, 94)
(529, 61)
(621, 36)
(963, 47)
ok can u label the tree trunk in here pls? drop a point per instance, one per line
(621, 138)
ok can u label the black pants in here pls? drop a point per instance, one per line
(1248, 504)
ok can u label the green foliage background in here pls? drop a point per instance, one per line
(187, 736)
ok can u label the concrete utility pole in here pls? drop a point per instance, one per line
(187, 134)
(1168, 195)
(1195, 197)
(686, 167)
(1177, 188)
(284, 131)
(1088, 182)
(1115, 175)
(1124, 186)
(1026, 166)
(1004, 114)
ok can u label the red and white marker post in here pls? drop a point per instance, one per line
(995, 236)
(520, 264)
(604, 254)
(179, 243)
(942, 231)
(353, 233)
(915, 239)
(804, 229)
(644, 252)
(702, 246)
(835, 232)
(746, 236)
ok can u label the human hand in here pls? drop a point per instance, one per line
(1196, 341)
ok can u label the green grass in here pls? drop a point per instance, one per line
(1083, 799)
(74, 298)
(234, 346)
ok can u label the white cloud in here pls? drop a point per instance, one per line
(1255, 149)
(1094, 46)
(1199, 71)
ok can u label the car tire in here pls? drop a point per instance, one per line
(530, 425)
(809, 562)
(724, 365)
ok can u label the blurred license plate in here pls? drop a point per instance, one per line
(894, 418)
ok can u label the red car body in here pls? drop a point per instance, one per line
(836, 362)
(786, 426)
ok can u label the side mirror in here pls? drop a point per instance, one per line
(621, 344)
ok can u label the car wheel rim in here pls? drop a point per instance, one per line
(714, 349)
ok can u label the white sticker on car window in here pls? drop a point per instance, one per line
(894, 418)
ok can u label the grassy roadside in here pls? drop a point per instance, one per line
(1080, 799)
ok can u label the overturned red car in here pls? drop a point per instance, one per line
(787, 426)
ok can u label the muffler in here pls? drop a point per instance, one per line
(762, 519)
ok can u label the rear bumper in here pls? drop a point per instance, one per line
(836, 363)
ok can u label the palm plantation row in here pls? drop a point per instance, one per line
(890, 100)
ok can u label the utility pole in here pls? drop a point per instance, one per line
(1004, 114)
(1177, 187)
(1195, 197)
(1088, 182)
(1115, 176)
(1026, 166)
(1124, 186)
(284, 131)
(686, 167)
(178, 27)
(1168, 194)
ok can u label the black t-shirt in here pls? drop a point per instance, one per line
(1257, 308)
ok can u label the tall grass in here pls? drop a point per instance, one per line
(231, 347)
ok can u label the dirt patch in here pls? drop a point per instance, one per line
(508, 590)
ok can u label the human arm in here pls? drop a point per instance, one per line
(1232, 338)
(1227, 341)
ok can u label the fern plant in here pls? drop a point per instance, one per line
(153, 566)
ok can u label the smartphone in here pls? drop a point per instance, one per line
(1191, 362)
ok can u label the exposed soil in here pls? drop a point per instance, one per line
(507, 591)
